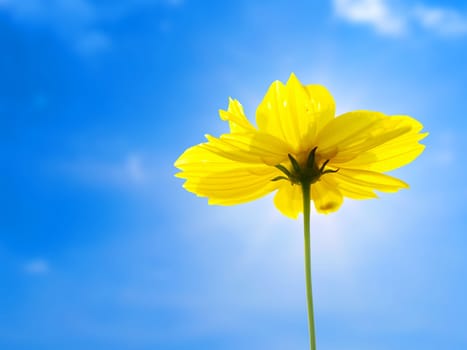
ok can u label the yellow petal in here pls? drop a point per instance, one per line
(345, 130)
(272, 113)
(321, 106)
(249, 147)
(326, 197)
(350, 190)
(224, 181)
(238, 122)
(288, 199)
(369, 180)
(294, 113)
(396, 147)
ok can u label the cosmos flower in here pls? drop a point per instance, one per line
(302, 151)
(298, 140)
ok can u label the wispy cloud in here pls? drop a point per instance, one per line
(41, 10)
(375, 13)
(440, 20)
(76, 22)
(388, 19)
(36, 267)
(130, 170)
(93, 42)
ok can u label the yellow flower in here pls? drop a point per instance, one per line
(298, 140)
(303, 152)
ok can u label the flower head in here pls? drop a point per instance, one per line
(298, 140)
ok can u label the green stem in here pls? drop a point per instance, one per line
(309, 291)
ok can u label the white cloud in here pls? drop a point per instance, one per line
(37, 10)
(375, 13)
(74, 21)
(93, 42)
(441, 20)
(388, 19)
(36, 267)
(132, 169)
(174, 2)
(78, 22)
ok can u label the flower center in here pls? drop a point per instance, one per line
(302, 175)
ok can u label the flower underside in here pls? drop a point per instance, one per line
(306, 175)
(299, 139)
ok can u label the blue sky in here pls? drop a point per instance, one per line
(101, 248)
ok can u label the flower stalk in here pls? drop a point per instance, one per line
(309, 291)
